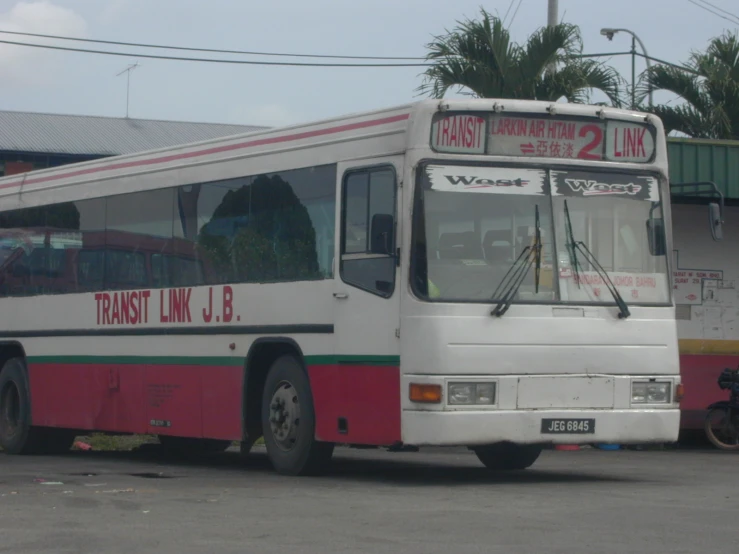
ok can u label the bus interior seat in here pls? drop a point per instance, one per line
(459, 246)
(497, 246)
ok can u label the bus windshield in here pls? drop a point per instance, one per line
(471, 224)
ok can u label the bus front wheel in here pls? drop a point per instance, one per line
(288, 421)
(507, 456)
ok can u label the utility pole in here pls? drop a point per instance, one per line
(128, 71)
(552, 13)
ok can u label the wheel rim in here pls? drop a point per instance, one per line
(10, 409)
(284, 416)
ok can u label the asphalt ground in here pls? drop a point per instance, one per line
(437, 501)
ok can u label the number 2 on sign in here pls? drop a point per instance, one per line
(586, 152)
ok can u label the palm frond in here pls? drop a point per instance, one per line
(684, 119)
(577, 79)
(679, 82)
(725, 50)
(478, 56)
(599, 76)
(475, 55)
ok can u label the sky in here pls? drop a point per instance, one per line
(49, 81)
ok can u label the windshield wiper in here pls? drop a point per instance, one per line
(515, 276)
(571, 250)
(573, 246)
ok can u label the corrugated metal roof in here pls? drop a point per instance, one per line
(697, 160)
(74, 134)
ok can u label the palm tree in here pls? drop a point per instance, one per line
(709, 84)
(479, 58)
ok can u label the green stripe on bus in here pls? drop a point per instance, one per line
(357, 360)
(207, 360)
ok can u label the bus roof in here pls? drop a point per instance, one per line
(108, 176)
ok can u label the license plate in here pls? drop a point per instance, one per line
(567, 426)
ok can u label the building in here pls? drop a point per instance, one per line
(706, 272)
(31, 141)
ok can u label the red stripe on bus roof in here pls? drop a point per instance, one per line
(214, 150)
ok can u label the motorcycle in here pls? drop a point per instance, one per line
(722, 420)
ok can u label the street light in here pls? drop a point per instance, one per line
(609, 33)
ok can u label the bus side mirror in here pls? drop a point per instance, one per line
(382, 237)
(717, 225)
(656, 237)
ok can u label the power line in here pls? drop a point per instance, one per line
(209, 60)
(720, 9)
(701, 6)
(676, 66)
(294, 64)
(513, 17)
(210, 50)
(508, 11)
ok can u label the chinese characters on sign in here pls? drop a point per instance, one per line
(522, 136)
(550, 137)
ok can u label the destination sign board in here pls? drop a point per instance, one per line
(460, 133)
(543, 137)
(627, 142)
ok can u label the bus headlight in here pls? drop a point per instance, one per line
(651, 392)
(471, 393)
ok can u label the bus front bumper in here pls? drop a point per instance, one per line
(472, 428)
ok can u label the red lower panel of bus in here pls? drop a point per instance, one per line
(205, 401)
(699, 374)
(184, 400)
(366, 397)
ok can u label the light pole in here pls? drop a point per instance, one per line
(552, 13)
(607, 32)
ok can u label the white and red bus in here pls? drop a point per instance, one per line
(492, 274)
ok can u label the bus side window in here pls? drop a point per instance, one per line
(368, 230)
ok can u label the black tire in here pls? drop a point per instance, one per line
(507, 456)
(191, 446)
(17, 436)
(296, 450)
(722, 414)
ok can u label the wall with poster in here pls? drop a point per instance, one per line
(705, 280)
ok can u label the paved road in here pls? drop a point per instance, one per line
(428, 502)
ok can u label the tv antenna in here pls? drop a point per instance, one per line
(128, 71)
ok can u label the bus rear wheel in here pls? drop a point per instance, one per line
(17, 436)
(507, 456)
(288, 421)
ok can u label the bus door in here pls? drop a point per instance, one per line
(366, 300)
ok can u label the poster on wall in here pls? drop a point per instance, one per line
(688, 284)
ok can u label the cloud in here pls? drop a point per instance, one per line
(26, 65)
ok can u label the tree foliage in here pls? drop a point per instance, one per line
(709, 85)
(479, 58)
